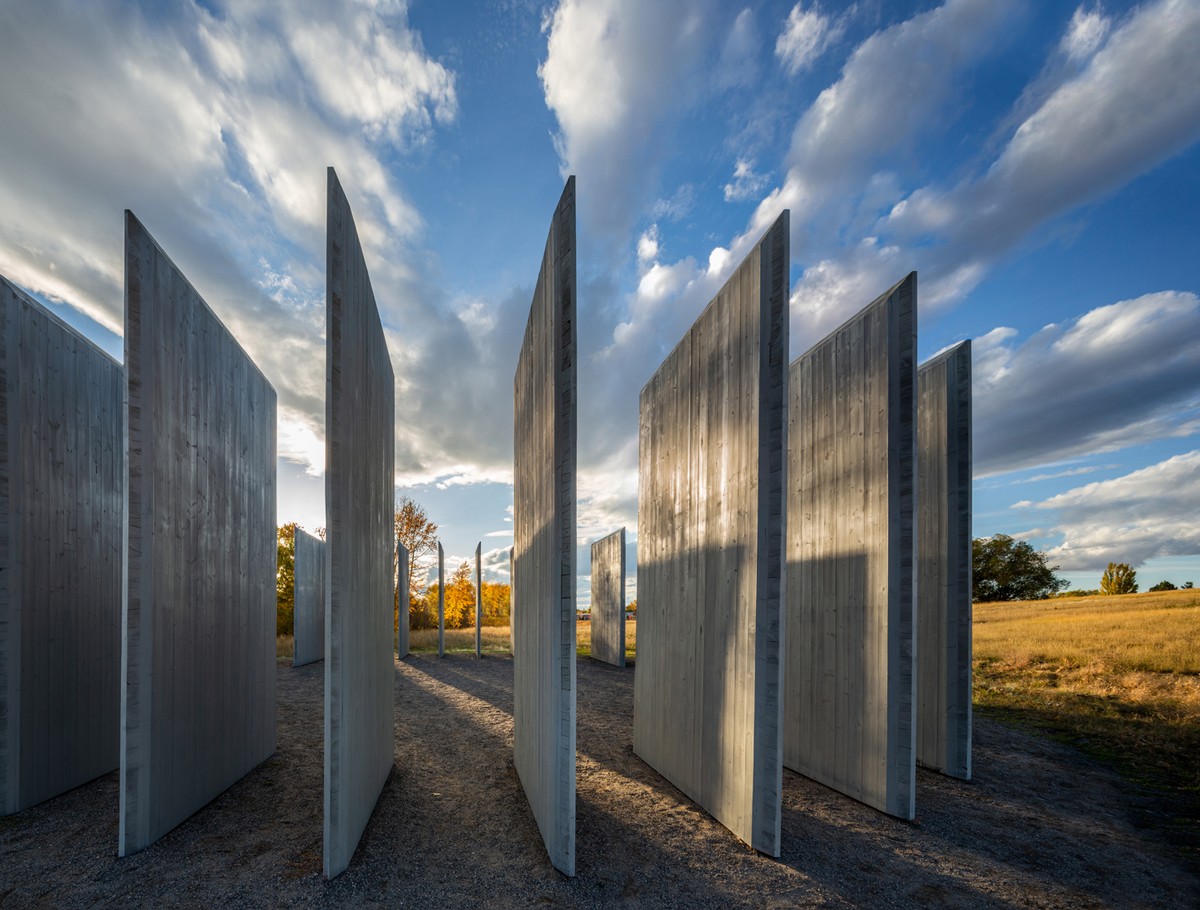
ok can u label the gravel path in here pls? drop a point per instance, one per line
(1038, 827)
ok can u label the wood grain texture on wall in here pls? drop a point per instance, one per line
(711, 482)
(608, 599)
(359, 514)
(944, 562)
(309, 599)
(850, 631)
(198, 660)
(62, 476)
(544, 435)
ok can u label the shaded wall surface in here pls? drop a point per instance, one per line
(850, 633)
(544, 434)
(710, 552)
(62, 473)
(944, 562)
(309, 614)
(479, 600)
(198, 660)
(403, 618)
(359, 504)
(608, 599)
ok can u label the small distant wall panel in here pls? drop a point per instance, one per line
(441, 601)
(944, 562)
(198, 660)
(544, 528)
(479, 600)
(359, 503)
(850, 630)
(403, 618)
(309, 613)
(62, 474)
(608, 599)
(711, 484)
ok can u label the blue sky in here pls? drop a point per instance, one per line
(1037, 163)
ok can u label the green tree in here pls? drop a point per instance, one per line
(419, 536)
(1004, 568)
(1163, 586)
(285, 579)
(1118, 578)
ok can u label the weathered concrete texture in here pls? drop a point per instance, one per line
(198, 652)
(544, 527)
(512, 600)
(608, 599)
(441, 601)
(62, 473)
(849, 658)
(710, 552)
(403, 619)
(944, 562)
(479, 599)
(309, 615)
(359, 502)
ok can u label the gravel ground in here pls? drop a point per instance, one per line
(1038, 827)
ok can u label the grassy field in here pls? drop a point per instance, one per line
(495, 638)
(1118, 677)
(583, 639)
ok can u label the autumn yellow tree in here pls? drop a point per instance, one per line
(460, 599)
(419, 536)
(285, 579)
(496, 601)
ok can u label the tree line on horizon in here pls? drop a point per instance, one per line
(1004, 568)
(418, 533)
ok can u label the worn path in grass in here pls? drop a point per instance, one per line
(1039, 827)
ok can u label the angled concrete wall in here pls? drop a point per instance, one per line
(62, 473)
(944, 562)
(403, 618)
(479, 599)
(512, 600)
(359, 503)
(710, 552)
(309, 614)
(850, 639)
(198, 656)
(441, 601)
(544, 432)
(608, 599)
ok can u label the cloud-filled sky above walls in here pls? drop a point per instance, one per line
(1037, 164)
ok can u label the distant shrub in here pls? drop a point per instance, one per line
(1094, 592)
(1164, 586)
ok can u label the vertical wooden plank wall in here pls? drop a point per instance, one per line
(359, 508)
(403, 619)
(711, 484)
(608, 599)
(309, 614)
(544, 527)
(944, 562)
(198, 651)
(850, 631)
(62, 473)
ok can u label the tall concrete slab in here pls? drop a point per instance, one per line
(441, 601)
(512, 600)
(359, 502)
(403, 619)
(711, 482)
(479, 599)
(62, 476)
(608, 599)
(544, 420)
(850, 632)
(309, 613)
(198, 649)
(944, 562)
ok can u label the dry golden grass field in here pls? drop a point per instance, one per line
(1118, 677)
